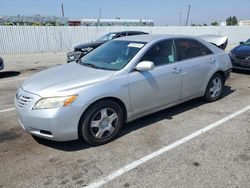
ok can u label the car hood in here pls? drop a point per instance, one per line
(64, 78)
(242, 49)
(87, 45)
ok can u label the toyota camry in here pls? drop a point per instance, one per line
(122, 80)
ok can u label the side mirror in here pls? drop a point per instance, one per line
(145, 66)
(241, 43)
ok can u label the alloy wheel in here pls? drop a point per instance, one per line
(104, 123)
(215, 87)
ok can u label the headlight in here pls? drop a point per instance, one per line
(231, 54)
(54, 102)
(73, 56)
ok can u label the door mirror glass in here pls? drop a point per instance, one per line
(145, 66)
(241, 43)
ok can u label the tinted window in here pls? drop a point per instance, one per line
(247, 42)
(161, 53)
(134, 33)
(107, 37)
(187, 48)
(121, 35)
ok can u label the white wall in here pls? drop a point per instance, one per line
(18, 39)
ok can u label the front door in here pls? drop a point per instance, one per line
(159, 87)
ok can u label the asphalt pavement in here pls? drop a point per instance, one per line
(218, 157)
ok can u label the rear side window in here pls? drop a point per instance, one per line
(188, 48)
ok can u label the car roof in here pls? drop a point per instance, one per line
(148, 38)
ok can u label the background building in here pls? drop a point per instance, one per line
(33, 20)
(244, 23)
(223, 23)
(117, 22)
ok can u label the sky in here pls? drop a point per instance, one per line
(163, 12)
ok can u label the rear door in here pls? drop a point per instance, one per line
(197, 65)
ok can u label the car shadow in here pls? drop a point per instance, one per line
(7, 74)
(169, 113)
(68, 146)
(238, 71)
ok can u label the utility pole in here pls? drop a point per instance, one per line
(62, 10)
(180, 18)
(100, 13)
(188, 14)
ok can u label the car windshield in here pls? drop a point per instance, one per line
(107, 37)
(247, 42)
(113, 55)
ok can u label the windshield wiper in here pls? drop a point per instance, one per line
(90, 65)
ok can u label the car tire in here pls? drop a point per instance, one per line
(214, 88)
(101, 123)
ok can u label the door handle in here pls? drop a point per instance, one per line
(176, 70)
(212, 61)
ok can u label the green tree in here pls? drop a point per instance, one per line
(232, 20)
(215, 23)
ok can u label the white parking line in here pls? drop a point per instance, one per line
(7, 110)
(136, 163)
(16, 80)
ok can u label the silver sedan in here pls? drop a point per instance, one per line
(120, 81)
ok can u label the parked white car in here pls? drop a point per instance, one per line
(217, 40)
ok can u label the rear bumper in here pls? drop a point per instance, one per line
(227, 74)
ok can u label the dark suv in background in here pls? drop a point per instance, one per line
(240, 56)
(83, 49)
(1, 64)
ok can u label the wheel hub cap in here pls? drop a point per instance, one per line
(215, 87)
(104, 123)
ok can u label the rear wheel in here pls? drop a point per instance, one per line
(101, 123)
(214, 88)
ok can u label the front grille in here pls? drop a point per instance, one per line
(23, 101)
(241, 57)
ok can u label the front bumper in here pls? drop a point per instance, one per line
(59, 124)
(240, 64)
(1, 66)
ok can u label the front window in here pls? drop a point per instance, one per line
(247, 42)
(162, 53)
(113, 55)
(107, 37)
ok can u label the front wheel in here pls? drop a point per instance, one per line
(214, 88)
(101, 123)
